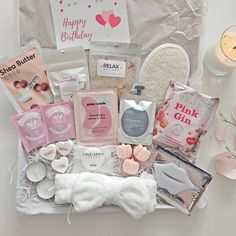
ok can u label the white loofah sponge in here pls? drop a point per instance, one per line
(165, 63)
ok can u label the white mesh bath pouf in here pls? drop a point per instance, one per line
(165, 63)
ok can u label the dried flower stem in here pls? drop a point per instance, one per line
(225, 120)
(228, 149)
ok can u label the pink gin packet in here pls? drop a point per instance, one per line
(184, 119)
(30, 129)
(59, 120)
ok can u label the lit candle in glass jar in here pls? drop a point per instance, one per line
(220, 60)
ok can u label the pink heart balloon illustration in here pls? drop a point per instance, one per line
(100, 19)
(106, 15)
(114, 20)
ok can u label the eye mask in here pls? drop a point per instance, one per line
(96, 117)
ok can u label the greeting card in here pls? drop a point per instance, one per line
(77, 22)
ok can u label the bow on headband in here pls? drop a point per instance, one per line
(87, 191)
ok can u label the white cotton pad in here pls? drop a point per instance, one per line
(165, 63)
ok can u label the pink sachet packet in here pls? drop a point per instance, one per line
(96, 116)
(59, 120)
(30, 129)
(184, 119)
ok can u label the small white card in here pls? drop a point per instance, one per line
(77, 22)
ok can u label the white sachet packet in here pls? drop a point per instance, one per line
(67, 71)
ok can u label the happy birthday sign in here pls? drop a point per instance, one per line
(77, 22)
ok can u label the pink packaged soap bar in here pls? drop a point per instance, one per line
(96, 114)
(30, 129)
(59, 120)
(184, 119)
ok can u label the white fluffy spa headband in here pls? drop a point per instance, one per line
(165, 63)
(87, 191)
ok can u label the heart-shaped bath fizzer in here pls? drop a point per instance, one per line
(130, 167)
(48, 153)
(64, 148)
(90, 110)
(124, 151)
(100, 19)
(114, 20)
(106, 15)
(141, 153)
(60, 165)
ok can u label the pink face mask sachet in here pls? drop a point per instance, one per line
(30, 129)
(184, 119)
(96, 114)
(59, 120)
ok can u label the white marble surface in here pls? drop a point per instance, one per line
(217, 219)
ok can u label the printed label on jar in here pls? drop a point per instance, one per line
(111, 68)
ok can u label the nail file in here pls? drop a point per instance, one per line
(165, 63)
